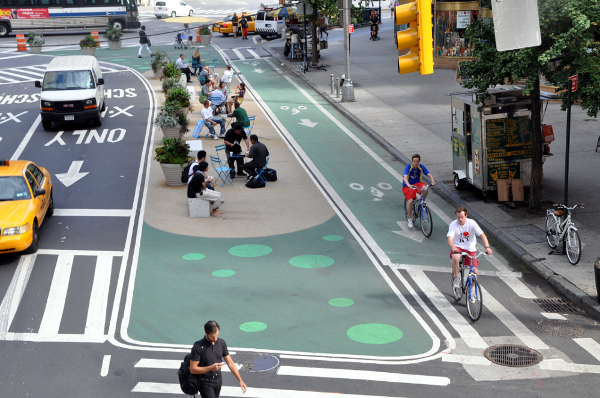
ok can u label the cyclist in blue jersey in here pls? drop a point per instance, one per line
(413, 175)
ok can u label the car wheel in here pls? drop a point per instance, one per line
(173, 14)
(98, 120)
(191, 13)
(50, 210)
(103, 107)
(459, 183)
(157, 16)
(46, 124)
(3, 30)
(34, 243)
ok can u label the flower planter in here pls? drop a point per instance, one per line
(114, 44)
(205, 39)
(183, 80)
(89, 51)
(35, 49)
(158, 72)
(171, 132)
(172, 174)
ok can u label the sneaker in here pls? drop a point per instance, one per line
(152, 55)
(216, 137)
(222, 135)
(250, 178)
(410, 223)
(139, 56)
(242, 174)
(455, 283)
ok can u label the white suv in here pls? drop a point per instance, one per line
(172, 8)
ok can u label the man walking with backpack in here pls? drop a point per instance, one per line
(206, 362)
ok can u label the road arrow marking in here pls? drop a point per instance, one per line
(258, 71)
(410, 233)
(307, 123)
(73, 175)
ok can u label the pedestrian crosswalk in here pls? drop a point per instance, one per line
(57, 295)
(36, 72)
(198, 12)
(245, 53)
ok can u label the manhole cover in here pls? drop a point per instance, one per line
(556, 305)
(558, 328)
(512, 355)
(262, 363)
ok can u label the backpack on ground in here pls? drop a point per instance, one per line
(189, 383)
(255, 183)
(270, 174)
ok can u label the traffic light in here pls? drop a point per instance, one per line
(418, 37)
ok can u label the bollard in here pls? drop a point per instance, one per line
(597, 275)
(96, 37)
(21, 45)
(332, 82)
(337, 87)
(198, 35)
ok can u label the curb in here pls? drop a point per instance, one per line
(572, 292)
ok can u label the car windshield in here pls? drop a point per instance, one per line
(68, 80)
(13, 188)
(229, 18)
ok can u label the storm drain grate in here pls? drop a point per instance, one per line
(512, 355)
(556, 305)
(558, 328)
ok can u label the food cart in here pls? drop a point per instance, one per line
(492, 143)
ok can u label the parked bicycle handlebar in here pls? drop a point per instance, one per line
(569, 208)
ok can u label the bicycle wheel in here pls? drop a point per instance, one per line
(552, 231)
(573, 246)
(474, 299)
(426, 222)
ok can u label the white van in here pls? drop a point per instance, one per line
(72, 91)
(172, 8)
(266, 25)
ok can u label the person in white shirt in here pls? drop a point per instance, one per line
(462, 237)
(184, 68)
(219, 99)
(227, 74)
(207, 115)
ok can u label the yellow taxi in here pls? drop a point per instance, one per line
(25, 201)
(225, 26)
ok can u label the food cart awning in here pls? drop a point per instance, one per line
(282, 12)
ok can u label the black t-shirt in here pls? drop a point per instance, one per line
(211, 353)
(195, 185)
(232, 137)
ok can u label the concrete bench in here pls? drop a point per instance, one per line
(199, 208)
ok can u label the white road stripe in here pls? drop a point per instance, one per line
(59, 252)
(238, 53)
(560, 364)
(368, 375)
(26, 139)
(57, 296)
(511, 322)
(458, 321)
(254, 54)
(93, 212)
(4, 71)
(448, 269)
(13, 295)
(51, 338)
(551, 315)
(105, 365)
(8, 79)
(590, 346)
(151, 363)
(36, 74)
(96, 316)
(169, 388)
(14, 56)
(466, 359)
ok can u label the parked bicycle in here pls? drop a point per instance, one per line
(565, 231)
(318, 66)
(469, 287)
(421, 211)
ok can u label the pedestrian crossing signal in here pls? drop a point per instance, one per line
(418, 38)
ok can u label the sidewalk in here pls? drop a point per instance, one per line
(410, 114)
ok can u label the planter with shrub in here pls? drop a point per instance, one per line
(205, 35)
(113, 36)
(161, 58)
(173, 154)
(88, 45)
(172, 120)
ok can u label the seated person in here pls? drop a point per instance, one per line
(219, 99)
(240, 115)
(211, 121)
(207, 89)
(183, 67)
(258, 153)
(197, 189)
(227, 74)
(196, 61)
(233, 142)
(239, 95)
(194, 168)
(206, 75)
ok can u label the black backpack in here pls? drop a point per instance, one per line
(255, 183)
(185, 173)
(189, 383)
(270, 174)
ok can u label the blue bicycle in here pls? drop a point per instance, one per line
(420, 211)
(470, 287)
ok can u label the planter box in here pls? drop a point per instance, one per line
(89, 51)
(35, 49)
(172, 174)
(170, 132)
(183, 80)
(114, 44)
(158, 73)
(205, 39)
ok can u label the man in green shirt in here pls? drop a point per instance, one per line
(240, 115)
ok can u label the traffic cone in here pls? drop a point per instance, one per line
(96, 37)
(198, 35)
(21, 45)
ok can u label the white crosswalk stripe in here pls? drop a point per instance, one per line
(34, 72)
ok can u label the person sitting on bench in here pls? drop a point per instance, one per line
(197, 189)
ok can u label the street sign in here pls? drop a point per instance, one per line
(516, 24)
(350, 28)
(573, 80)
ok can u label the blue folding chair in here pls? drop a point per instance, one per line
(195, 65)
(260, 171)
(228, 81)
(213, 65)
(250, 120)
(213, 99)
(220, 166)
(201, 80)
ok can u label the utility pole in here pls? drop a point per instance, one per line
(347, 88)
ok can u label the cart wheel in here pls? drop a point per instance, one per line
(458, 183)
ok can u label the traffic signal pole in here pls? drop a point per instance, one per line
(347, 88)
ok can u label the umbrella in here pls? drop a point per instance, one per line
(188, 19)
(282, 12)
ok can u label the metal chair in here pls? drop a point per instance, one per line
(213, 65)
(260, 171)
(223, 103)
(250, 120)
(220, 166)
(228, 81)
(195, 65)
(201, 80)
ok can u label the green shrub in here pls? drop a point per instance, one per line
(170, 70)
(113, 33)
(88, 41)
(173, 151)
(180, 96)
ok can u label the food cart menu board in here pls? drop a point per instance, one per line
(509, 139)
(503, 171)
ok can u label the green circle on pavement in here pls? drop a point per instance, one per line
(253, 326)
(311, 261)
(374, 333)
(333, 238)
(250, 250)
(341, 302)
(194, 256)
(223, 273)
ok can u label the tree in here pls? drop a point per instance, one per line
(568, 38)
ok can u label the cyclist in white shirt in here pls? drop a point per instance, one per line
(462, 237)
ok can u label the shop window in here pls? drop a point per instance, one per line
(450, 27)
